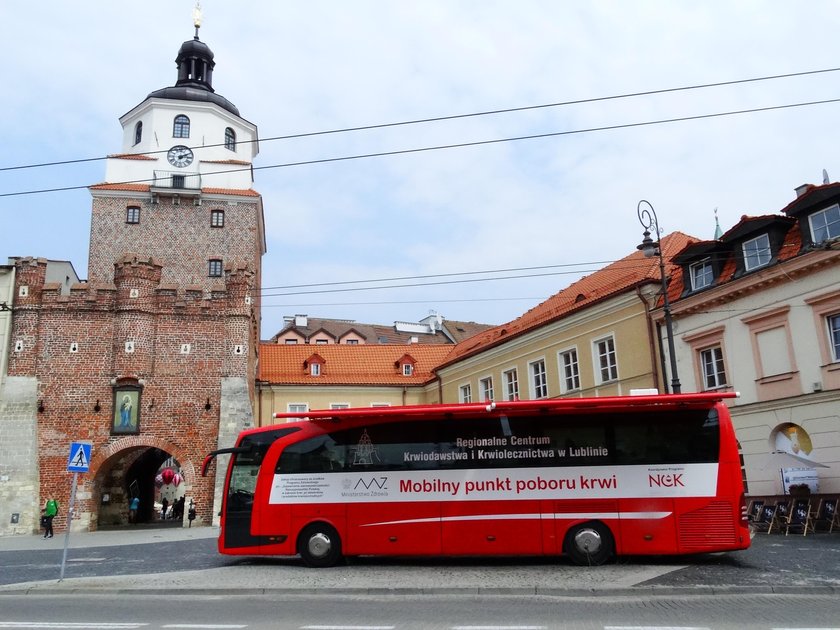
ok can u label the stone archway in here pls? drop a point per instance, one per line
(104, 497)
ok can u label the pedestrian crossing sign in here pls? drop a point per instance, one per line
(79, 460)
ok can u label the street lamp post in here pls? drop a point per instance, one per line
(650, 248)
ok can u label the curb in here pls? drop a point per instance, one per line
(649, 591)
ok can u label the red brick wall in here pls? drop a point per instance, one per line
(176, 387)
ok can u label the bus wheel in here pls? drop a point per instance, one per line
(590, 544)
(319, 545)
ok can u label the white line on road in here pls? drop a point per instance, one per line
(206, 626)
(656, 628)
(347, 627)
(498, 627)
(72, 625)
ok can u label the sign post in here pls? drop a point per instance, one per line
(78, 461)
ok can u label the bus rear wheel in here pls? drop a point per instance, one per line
(319, 545)
(590, 544)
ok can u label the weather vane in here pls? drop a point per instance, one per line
(197, 17)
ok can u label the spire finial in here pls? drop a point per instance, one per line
(718, 231)
(197, 17)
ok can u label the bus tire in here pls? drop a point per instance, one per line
(590, 544)
(319, 545)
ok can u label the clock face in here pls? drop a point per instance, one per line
(180, 156)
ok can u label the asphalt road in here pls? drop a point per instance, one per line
(431, 612)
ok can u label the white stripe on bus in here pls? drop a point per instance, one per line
(624, 516)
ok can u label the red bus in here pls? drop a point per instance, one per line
(588, 477)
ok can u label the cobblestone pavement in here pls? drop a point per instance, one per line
(186, 561)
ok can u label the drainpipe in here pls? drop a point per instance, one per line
(653, 362)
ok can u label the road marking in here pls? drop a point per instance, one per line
(209, 626)
(498, 627)
(657, 628)
(348, 627)
(71, 625)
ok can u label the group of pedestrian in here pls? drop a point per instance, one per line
(176, 511)
(50, 509)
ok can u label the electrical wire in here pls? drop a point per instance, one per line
(453, 146)
(492, 112)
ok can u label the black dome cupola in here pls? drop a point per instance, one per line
(195, 74)
(195, 65)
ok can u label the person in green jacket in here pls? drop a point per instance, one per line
(50, 510)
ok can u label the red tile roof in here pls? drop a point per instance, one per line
(613, 279)
(245, 192)
(131, 187)
(132, 156)
(366, 364)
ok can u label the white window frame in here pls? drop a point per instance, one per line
(832, 323)
(759, 249)
(465, 393)
(380, 404)
(297, 407)
(342, 405)
(610, 353)
(538, 379)
(315, 369)
(485, 386)
(713, 367)
(828, 227)
(511, 383)
(407, 369)
(569, 370)
(707, 274)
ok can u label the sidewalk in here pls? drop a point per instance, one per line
(134, 535)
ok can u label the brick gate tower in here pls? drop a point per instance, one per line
(153, 359)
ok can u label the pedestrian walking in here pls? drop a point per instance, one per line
(132, 509)
(49, 512)
(164, 506)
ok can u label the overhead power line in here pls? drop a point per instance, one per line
(457, 145)
(492, 112)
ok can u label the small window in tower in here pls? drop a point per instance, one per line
(217, 218)
(215, 268)
(230, 139)
(138, 132)
(132, 214)
(181, 129)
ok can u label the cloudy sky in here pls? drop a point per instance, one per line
(550, 208)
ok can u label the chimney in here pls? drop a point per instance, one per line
(801, 190)
(300, 321)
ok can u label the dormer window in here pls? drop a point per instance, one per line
(756, 252)
(314, 364)
(407, 369)
(138, 132)
(702, 274)
(181, 127)
(825, 224)
(230, 139)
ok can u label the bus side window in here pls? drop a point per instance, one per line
(318, 454)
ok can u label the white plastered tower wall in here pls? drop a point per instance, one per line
(208, 123)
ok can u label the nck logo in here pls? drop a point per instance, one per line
(380, 483)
